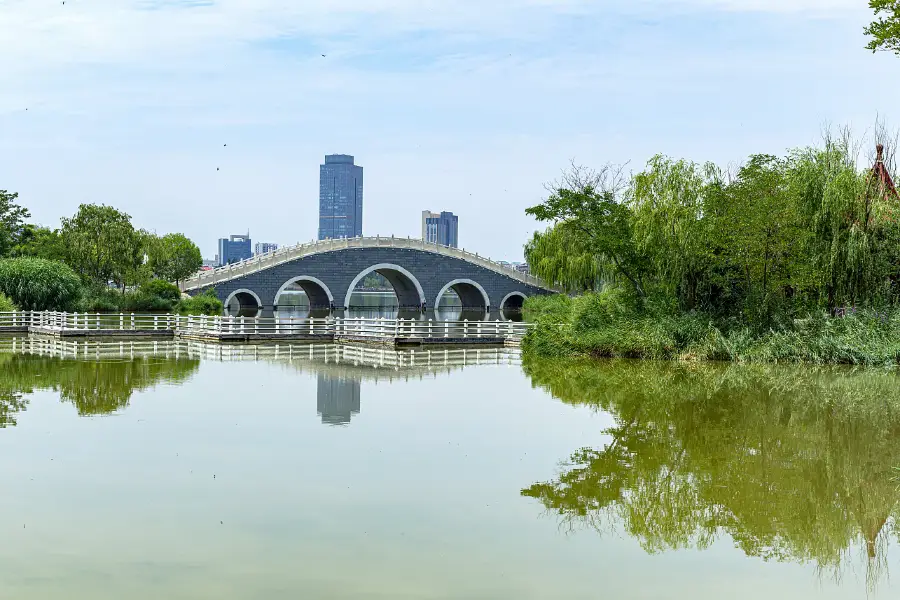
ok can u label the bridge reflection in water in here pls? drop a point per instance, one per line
(340, 369)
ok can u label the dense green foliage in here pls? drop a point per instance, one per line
(610, 324)
(794, 463)
(688, 261)
(174, 257)
(100, 244)
(7, 305)
(38, 284)
(202, 304)
(12, 220)
(885, 29)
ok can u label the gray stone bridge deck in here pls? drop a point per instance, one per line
(329, 271)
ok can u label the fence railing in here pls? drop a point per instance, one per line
(223, 326)
(287, 254)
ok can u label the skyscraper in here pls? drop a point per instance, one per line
(440, 228)
(340, 198)
(234, 249)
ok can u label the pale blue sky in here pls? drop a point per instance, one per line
(464, 106)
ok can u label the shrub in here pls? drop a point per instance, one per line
(154, 296)
(202, 304)
(7, 305)
(39, 284)
(100, 299)
(161, 289)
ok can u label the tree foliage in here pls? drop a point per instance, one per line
(776, 237)
(884, 31)
(174, 257)
(102, 245)
(12, 221)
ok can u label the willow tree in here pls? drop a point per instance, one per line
(559, 257)
(853, 224)
(592, 208)
(667, 202)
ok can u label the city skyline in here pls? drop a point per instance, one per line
(212, 116)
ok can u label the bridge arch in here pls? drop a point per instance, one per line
(471, 294)
(246, 298)
(513, 301)
(316, 291)
(407, 288)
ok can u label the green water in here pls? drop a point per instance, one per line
(171, 470)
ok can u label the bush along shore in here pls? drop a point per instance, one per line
(609, 324)
(793, 258)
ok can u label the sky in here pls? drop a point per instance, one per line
(467, 106)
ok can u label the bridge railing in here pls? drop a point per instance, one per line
(283, 255)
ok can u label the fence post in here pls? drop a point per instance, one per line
(465, 328)
(132, 321)
(154, 322)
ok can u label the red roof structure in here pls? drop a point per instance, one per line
(881, 175)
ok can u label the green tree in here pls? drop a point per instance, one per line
(40, 242)
(559, 257)
(885, 29)
(12, 221)
(102, 245)
(593, 207)
(174, 257)
(670, 227)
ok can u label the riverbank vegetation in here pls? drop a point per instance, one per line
(793, 258)
(96, 261)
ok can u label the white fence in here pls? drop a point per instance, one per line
(225, 326)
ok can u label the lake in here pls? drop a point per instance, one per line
(148, 470)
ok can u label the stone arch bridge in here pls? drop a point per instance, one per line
(328, 271)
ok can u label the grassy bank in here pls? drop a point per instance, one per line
(610, 325)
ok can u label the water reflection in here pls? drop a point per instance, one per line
(100, 377)
(796, 464)
(93, 387)
(337, 399)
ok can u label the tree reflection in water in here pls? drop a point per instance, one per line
(94, 387)
(795, 463)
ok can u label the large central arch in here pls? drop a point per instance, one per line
(407, 288)
(471, 294)
(316, 291)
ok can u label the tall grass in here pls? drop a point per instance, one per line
(610, 325)
(7, 305)
(39, 284)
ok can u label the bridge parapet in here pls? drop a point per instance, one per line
(284, 255)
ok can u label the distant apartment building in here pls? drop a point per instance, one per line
(440, 228)
(340, 198)
(234, 249)
(264, 248)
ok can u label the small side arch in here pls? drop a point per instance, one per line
(468, 292)
(513, 301)
(318, 293)
(407, 288)
(242, 295)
